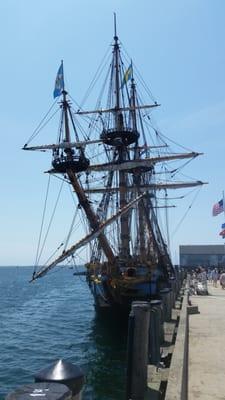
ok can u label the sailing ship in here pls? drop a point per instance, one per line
(113, 170)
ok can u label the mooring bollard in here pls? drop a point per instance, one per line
(177, 281)
(137, 351)
(172, 281)
(180, 279)
(63, 372)
(154, 332)
(182, 274)
(159, 305)
(167, 306)
(46, 390)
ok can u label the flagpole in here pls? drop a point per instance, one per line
(223, 204)
(63, 75)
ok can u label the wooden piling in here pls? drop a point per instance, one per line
(138, 334)
(167, 306)
(154, 335)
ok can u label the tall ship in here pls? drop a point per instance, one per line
(117, 165)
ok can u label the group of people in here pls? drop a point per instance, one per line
(213, 276)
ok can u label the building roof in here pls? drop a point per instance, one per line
(202, 249)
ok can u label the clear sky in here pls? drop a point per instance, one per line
(179, 48)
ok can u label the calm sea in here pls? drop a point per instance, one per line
(54, 318)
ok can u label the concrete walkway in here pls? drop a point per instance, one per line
(206, 379)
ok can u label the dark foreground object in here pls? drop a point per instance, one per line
(46, 390)
(63, 372)
(137, 350)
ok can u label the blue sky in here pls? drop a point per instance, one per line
(179, 48)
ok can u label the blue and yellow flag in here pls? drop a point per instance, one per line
(59, 82)
(128, 75)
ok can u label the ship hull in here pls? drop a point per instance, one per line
(117, 296)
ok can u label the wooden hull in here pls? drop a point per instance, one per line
(117, 294)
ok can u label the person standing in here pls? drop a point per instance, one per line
(222, 280)
(215, 277)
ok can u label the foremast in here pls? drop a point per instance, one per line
(71, 168)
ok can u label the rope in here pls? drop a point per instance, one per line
(42, 223)
(148, 91)
(71, 229)
(50, 222)
(39, 127)
(185, 214)
(53, 253)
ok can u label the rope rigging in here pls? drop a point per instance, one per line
(49, 225)
(186, 212)
(41, 125)
(42, 223)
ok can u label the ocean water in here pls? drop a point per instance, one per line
(55, 318)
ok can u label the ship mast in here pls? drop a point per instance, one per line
(83, 200)
(137, 177)
(124, 247)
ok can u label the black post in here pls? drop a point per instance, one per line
(130, 340)
(154, 332)
(63, 372)
(167, 306)
(173, 290)
(138, 347)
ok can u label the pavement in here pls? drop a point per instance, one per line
(206, 371)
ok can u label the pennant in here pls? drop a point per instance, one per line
(128, 75)
(59, 82)
(218, 208)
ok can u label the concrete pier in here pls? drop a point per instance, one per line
(206, 375)
(195, 343)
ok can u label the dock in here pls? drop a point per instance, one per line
(206, 366)
(194, 347)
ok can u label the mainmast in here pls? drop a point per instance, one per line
(124, 247)
(137, 177)
(117, 79)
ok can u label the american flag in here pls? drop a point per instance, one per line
(217, 208)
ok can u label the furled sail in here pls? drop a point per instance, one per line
(140, 163)
(150, 186)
